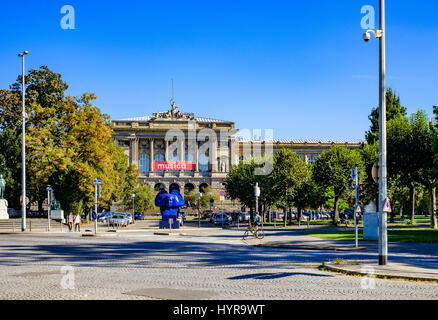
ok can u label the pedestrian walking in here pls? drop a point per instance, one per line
(70, 221)
(78, 222)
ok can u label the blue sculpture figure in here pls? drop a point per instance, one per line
(169, 204)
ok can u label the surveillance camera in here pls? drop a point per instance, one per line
(366, 36)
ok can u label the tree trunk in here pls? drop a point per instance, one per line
(285, 216)
(412, 203)
(432, 196)
(290, 215)
(300, 213)
(336, 213)
(401, 211)
(40, 206)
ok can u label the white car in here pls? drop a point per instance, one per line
(119, 220)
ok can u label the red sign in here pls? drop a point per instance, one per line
(173, 165)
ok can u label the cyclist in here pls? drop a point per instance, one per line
(255, 223)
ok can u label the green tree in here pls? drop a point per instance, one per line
(289, 172)
(10, 165)
(393, 109)
(207, 195)
(305, 192)
(333, 169)
(240, 181)
(69, 143)
(144, 200)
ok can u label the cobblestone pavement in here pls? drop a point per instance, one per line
(208, 267)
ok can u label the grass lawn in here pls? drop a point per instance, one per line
(425, 235)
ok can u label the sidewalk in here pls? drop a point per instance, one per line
(409, 261)
(390, 271)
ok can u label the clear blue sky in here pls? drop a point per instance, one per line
(299, 67)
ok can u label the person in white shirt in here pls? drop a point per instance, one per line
(78, 222)
(70, 221)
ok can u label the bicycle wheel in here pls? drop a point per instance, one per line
(245, 235)
(260, 234)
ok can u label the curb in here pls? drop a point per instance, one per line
(304, 247)
(379, 274)
(112, 234)
(166, 233)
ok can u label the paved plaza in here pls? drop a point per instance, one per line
(211, 264)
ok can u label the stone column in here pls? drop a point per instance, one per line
(182, 150)
(181, 154)
(134, 151)
(151, 156)
(234, 153)
(196, 159)
(166, 150)
(213, 156)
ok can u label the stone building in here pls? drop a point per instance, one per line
(210, 147)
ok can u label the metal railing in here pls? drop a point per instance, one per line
(14, 225)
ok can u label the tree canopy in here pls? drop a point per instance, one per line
(68, 144)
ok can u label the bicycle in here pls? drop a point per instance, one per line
(257, 232)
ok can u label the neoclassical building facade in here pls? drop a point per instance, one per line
(210, 147)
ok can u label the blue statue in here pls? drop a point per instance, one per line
(169, 204)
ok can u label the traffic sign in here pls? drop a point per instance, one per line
(358, 209)
(96, 181)
(222, 193)
(387, 206)
(221, 198)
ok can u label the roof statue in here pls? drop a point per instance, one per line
(174, 113)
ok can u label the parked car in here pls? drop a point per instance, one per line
(129, 217)
(104, 217)
(213, 216)
(138, 216)
(347, 214)
(222, 218)
(324, 215)
(208, 214)
(119, 219)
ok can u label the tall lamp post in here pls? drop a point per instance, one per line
(23, 149)
(380, 34)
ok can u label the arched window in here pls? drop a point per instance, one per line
(143, 164)
(203, 163)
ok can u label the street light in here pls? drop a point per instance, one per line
(23, 149)
(133, 207)
(49, 200)
(380, 34)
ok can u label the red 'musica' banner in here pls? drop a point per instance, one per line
(174, 165)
